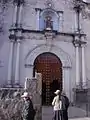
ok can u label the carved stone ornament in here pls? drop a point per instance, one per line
(49, 35)
(49, 4)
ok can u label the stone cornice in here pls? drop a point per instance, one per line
(79, 42)
(41, 35)
(56, 32)
(16, 29)
(73, 34)
(17, 34)
(38, 9)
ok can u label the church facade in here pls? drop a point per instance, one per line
(47, 37)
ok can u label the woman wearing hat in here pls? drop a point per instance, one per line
(57, 105)
(28, 111)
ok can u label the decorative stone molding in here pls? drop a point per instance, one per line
(12, 35)
(33, 36)
(18, 2)
(49, 34)
(49, 4)
(38, 10)
(19, 35)
(32, 54)
(78, 43)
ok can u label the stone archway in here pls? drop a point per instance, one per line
(50, 66)
(63, 56)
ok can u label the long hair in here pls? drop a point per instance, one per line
(60, 96)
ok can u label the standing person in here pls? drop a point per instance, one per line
(56, 105)
(28, 112)
(65, 105)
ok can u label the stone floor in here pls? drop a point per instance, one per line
(74, 113)
(84, 118)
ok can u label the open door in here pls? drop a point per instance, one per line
(50, 66)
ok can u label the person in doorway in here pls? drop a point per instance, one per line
(65, 105)
(28, 112)
(56, 103)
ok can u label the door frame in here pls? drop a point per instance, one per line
(62, 55)
(36, 70)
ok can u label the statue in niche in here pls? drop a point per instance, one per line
(49, 23)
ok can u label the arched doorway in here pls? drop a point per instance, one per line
(50, 66)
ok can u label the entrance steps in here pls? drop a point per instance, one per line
(73, 112)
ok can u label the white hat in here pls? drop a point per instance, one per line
(57, 92)
(25, 94)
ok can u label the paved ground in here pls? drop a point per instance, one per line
(74, 113)
(84, 118)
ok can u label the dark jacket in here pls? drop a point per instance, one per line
(65, 105)
(65, 102)
(28, 111)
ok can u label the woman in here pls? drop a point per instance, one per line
(28, 112)
(57, 105)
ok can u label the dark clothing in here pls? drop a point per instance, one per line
(64, 115)
(53, 87)
(57, 115)
(65, 105)
(65, 102)
(28, 112)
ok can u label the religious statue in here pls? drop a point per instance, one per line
(49, 25)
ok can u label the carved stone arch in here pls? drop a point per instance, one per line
(62, 55)
(32, 54)
(49, 10)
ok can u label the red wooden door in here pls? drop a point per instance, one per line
(50, 67)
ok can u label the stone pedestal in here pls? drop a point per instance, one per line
(80, 95)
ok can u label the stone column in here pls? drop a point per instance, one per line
(66, 81)
(15, 15)
(20, 15)
(37, 18)
(78, 19)
(60, 21)
(76, 23)
(77, 66)
(83, 67)
(17, 69)
(9, 82)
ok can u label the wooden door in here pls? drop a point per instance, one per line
(50, 67)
